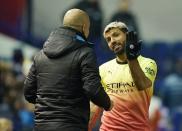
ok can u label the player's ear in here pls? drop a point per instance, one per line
(85, 30)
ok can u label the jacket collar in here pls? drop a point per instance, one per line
(76, 31)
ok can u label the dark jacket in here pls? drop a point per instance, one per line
(62, 80)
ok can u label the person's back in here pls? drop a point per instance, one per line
(65, 78)
(60, 91)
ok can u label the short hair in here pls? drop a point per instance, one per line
(116, 24)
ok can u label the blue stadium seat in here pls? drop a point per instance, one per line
(177, 49)
(146, 50)
(162, 54)
(161, 50)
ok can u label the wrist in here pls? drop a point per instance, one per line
(132, 56)
(132, 62)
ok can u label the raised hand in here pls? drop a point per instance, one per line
(133, 45)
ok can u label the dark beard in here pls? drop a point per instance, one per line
(119, 52)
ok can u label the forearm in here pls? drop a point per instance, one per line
(91, 81)
(139, 78)
(101, 99)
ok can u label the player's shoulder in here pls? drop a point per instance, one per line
(143, 59)
(107, 64)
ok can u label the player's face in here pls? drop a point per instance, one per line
(116, 40)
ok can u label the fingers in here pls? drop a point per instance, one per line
(139, 44)
(135, 36)
(132, 36)
(127, 36)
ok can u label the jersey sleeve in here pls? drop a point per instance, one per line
(150, 69)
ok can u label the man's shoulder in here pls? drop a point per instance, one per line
(86, 50)
(148, 65)
(143, 59)
(107, 64)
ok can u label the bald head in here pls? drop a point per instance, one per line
(77, 19)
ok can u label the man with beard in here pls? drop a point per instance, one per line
(128, 79)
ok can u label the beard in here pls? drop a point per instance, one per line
(119, 49)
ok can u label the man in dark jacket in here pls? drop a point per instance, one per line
(64, 78)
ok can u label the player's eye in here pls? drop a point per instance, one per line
(115, 34)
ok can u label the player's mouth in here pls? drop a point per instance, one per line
(117, 47)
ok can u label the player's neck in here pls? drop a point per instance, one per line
(121, 58)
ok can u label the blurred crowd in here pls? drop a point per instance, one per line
(13, 107)
(17, 115)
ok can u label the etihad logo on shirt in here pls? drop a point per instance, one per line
(120, 87)
(121, 84)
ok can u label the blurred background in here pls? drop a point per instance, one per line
(26, 24)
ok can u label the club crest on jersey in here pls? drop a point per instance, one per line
(150, 71)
